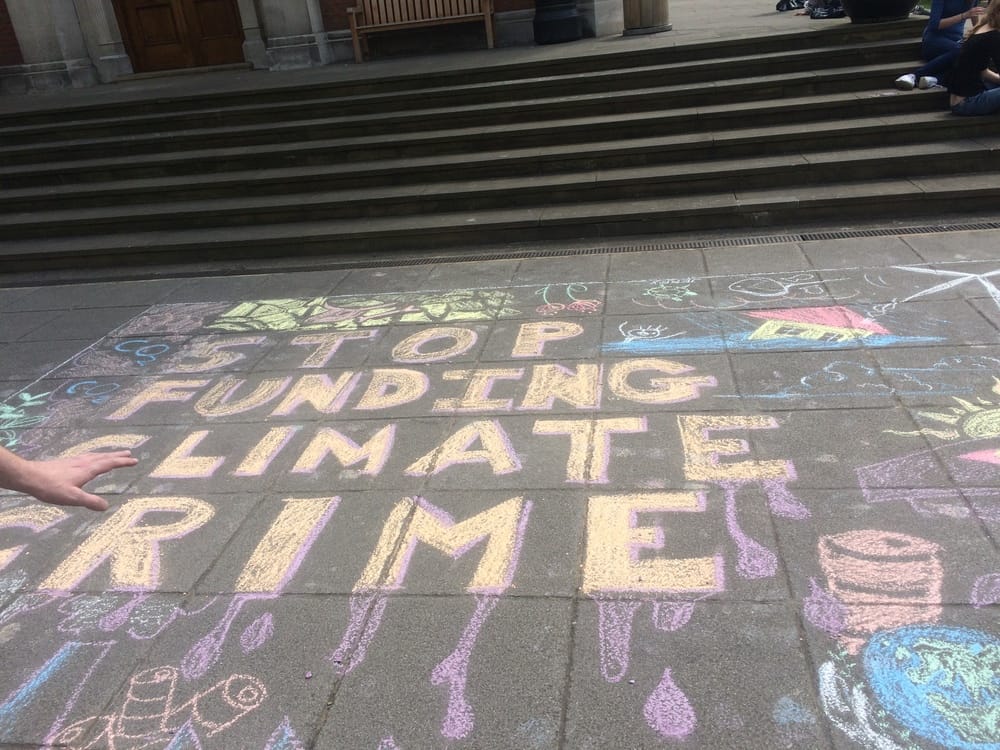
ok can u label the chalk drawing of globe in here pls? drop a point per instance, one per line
(943, 683)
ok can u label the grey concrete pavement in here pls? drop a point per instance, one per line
(729, 497)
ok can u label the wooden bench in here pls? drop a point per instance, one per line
(388, 15)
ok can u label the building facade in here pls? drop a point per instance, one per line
(46, 44)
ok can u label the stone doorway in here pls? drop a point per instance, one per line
(171, 34)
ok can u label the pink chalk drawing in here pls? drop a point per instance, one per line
(150, 716)
(614, 627)
(928, 480)
(454, 672)
(182, 317)
(986, 591)
(367, 607)
(825, 611)
(284, 738)
(990, 456)
(753, 560)
(671, 616)
(366, 616)
(836, 317)
(668, 710)
(206, 652)
(881, 580)
(257, 633)
(388, 743)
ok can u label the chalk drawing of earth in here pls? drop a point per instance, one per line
(943, 683)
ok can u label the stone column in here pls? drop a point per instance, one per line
(103, 39)
(290, 28)
(601, 17)
(52, 44)
(254, 45)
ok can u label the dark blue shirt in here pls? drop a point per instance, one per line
(945, 9)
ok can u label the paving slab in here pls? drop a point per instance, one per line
(725, 496)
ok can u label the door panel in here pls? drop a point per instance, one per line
(216, 31)
(168, 34)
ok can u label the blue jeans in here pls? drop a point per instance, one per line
(984, 103)
(938, 66)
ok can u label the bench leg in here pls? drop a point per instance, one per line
(489, 31)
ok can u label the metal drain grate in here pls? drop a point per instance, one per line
(292, 265)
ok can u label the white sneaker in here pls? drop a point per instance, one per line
(907, 82)
(927, 82)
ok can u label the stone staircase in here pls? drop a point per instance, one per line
(788, 129)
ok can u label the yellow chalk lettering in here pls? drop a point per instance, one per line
(580, 389)
(180, 464)
(532, 337)
(390, 388)
(161, 391)
(589, 444)
(476, 397)
(328, 344)
(319, 392)
(409, 349)
(499, 525)
(132, 546)
(702, 452)
(282, 548)
(327, 441)
(124, 440)
(611, 563)
(36, 518)
(261, 455)
(496, 451)
(662, 390)
(219, 402)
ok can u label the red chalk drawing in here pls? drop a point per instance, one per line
(884, 580)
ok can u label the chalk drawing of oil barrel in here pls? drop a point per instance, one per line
(147, 703)
(883, 580)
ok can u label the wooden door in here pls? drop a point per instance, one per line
(168, 34)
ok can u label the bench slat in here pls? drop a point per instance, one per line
(385, 15)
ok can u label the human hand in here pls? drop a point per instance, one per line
(60, 481)
(976, 12)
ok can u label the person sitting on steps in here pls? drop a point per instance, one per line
(941, 41)
(974, 84)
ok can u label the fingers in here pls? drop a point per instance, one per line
(101, 463)
(92, 502)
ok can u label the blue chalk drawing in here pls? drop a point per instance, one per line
(942, 683)
(741, 342)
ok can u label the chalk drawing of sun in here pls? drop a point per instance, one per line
(967, 420)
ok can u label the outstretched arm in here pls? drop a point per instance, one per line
(60, 481)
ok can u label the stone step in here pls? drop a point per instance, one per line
(623, 86)
(754, 208)
(799, 112)
(769, 92)
(705, 147)
(371, 80)
(796, 172)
